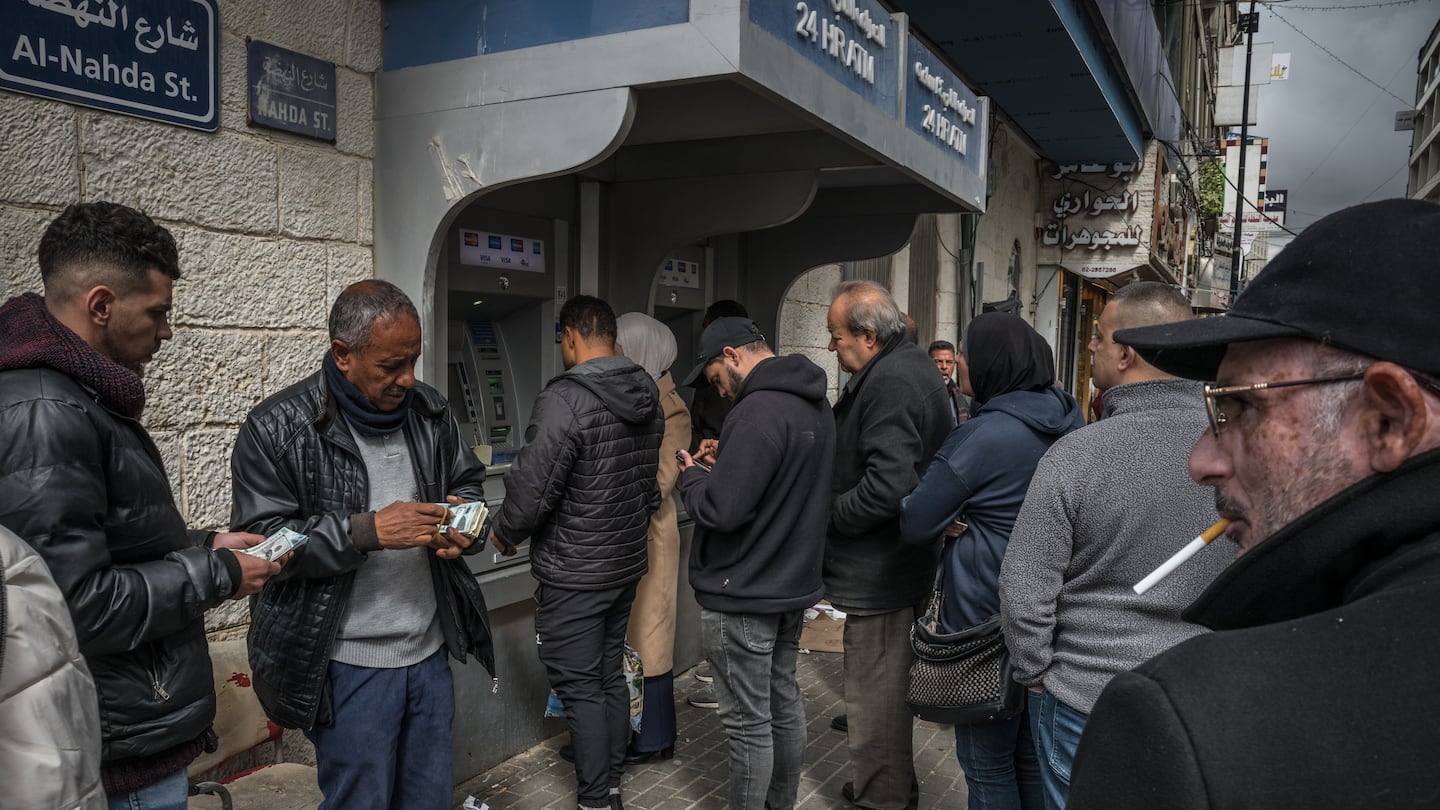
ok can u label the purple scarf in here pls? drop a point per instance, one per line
(30, 337)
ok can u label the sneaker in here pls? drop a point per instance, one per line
(704, 698)
(703, 674)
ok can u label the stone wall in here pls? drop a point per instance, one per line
(1009, 218)
(270, 227)
(802, 321)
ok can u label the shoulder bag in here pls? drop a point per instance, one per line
(963, 677)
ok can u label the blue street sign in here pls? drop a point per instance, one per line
(156, 59)
(291, 91)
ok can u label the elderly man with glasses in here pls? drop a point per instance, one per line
(1325, 419)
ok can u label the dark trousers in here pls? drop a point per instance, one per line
(877, 672)
(389, 746)
(581, 636)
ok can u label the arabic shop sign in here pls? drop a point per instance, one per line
(851, 40)
(1095, 211)
(156, 59)
(291, 91)
(940, 108)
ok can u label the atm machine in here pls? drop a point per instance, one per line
(482, 391)
(500, 350)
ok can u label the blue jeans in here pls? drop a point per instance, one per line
(1056, 729)
(753, 658)
(170, 793)
(389, 745)
(1001, 771)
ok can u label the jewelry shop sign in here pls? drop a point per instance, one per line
(156, 59)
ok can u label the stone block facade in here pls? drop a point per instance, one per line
(270, 227)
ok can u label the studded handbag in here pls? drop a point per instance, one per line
(964, 677)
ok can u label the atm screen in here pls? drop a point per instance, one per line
(496, 381)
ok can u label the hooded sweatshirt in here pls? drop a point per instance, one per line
(761, 514)
(980, 475)
(583, 486)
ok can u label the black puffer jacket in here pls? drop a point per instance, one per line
(85, 487)
(296, 465)
(584, 484)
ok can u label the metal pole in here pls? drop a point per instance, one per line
(1237, 257)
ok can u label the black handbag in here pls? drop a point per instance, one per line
(964, 677)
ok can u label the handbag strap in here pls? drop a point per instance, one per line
(931, 619)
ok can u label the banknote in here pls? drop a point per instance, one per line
(467, 518)
(277, 545)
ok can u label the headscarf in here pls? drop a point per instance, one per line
(1004, 354)
(647, 341)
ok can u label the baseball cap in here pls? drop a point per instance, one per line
(720, 333)
(1365, 279)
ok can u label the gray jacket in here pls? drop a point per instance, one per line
(1108, 504)
(50, 750)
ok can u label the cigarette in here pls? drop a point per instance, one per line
(1181, 556)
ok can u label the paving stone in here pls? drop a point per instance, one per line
(697, 778)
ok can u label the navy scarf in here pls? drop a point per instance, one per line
(363, 416)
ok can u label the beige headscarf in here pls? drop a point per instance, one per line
(647, 341)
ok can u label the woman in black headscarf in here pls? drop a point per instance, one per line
(978, 479)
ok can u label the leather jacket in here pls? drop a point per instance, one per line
(86, 488)
(296, 465)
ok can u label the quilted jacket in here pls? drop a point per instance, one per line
(50, 751)
(584, 484)
(296, 465)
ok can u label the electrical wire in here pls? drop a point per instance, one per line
(1289, 7)
(1353, 124)
(1402, 168)
(1328, 52)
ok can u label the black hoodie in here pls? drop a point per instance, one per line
(583, 486)
(760, 516)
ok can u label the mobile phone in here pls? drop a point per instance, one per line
(680, 457)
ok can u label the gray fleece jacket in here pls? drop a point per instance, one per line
(1107, 505)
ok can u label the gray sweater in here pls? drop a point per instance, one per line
(1107, 505)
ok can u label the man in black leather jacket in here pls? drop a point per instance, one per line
(83, 484)
(583, 488)
(350, 642)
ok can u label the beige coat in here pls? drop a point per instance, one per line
(50, 746)
(652, 619)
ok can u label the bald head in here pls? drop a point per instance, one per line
(1148, 303)
(1144, 303)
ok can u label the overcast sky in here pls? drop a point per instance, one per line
(1332, 138)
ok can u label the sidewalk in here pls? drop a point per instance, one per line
(696, 777)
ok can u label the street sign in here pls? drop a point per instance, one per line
(1405, 121)
(1250, 23)
(156, 59)
(291, 91)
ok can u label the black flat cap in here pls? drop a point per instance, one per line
(1365, 279)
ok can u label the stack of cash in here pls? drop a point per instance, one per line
(277, 545)
(467, 518)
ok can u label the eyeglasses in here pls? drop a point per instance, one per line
(1218, 418)
(1214, 393)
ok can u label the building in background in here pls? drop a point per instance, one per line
(493, 158)
(1424, 182)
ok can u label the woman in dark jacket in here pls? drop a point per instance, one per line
(969, 498)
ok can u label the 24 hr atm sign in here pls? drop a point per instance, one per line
(155, 59)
